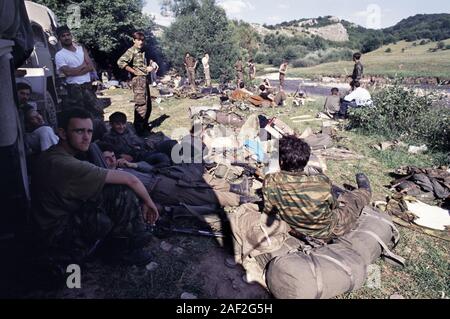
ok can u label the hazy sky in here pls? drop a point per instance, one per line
(368, 13)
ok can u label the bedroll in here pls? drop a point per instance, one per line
(341, 267)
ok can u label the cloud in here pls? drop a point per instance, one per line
(274, 19)
(283, 6)
(236, 7)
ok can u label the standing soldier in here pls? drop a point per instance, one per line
(73, 61)
(190, 63)
(251, 69)
(154, 72)
(358, 69)
(205, 62)
(135, 62)
(283, 70)
(239, 67)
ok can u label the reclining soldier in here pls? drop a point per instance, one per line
(78, 207)
(309, 203)
(129, 146)
(171, 187)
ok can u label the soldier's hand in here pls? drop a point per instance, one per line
(121, 162)
(150, 212)
(127, 157)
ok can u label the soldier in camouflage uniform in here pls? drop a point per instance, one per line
(190, 63)
(306, 202)
(135, 62)
(77, 205)
(239, 67)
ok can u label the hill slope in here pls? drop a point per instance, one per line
(406, 59)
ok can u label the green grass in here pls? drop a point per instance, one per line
(415, 61)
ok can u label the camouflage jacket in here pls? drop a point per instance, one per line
(126, 143)
(304, 202)
(358, 71)
(135, 59)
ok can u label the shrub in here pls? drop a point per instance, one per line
(400, 113)
(423, 42)
(447, 47)
(388, 50)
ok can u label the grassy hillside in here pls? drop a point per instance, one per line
(405, 60)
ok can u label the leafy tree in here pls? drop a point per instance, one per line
(205, 29)
(248, 39)
(105, 27)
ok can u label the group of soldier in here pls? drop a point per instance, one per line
(78, 204)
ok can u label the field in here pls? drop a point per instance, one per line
(405, 60)
(196, 264)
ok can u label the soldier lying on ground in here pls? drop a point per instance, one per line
(129, 146)
(310, 204)
(77, 205)
(182, 184)
(38, 137)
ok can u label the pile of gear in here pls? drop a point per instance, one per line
(290, 267)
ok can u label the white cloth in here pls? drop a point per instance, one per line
(205, 62)
(71, 59)
(361, 96)
(155, 66)
(41, 139)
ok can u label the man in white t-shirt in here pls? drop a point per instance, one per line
(205, 62)
(74, 62)
(153, 73)
(359, 97)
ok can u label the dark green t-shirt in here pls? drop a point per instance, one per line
(60, 185)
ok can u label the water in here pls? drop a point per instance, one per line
(324, 89)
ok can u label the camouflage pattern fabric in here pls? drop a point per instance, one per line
(134, 58)
(358, 71)
(143, 104)
(191, 76)
(82, 95)
(307, 204)
(115, 214)
(350, 206)
(304, 202)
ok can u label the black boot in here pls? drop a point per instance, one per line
(337, 191)
(363, 182)
(249, 199)
(242, 188)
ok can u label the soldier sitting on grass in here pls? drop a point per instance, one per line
(129, 146)
(310, 204)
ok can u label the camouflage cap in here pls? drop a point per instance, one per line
(61, 30)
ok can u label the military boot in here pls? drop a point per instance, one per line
(249, 199)
(242, 188)
(363, 182)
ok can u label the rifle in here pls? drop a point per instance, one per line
(196, 232)
(156, 229)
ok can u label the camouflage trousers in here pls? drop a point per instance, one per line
(142, 104)
(171, 192)
(115, 214)
(82, 96)
(239, 77)
(350, 206)
(282, 80)
(191, 77)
